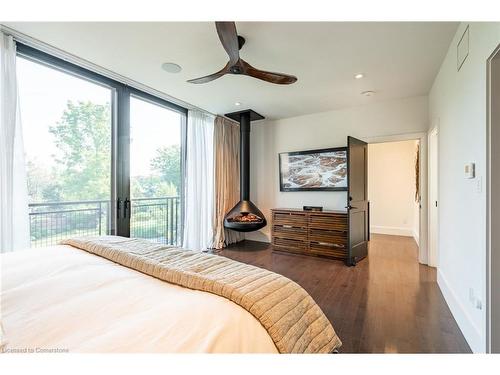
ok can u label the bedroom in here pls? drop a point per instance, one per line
(244, 195)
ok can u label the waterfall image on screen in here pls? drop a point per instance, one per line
(313, 170)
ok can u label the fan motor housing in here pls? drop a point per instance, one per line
(235, 69)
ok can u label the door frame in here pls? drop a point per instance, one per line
(358, 250)
(423, 248)
(433, 254)
(492, 181)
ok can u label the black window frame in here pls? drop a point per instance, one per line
(120, 108)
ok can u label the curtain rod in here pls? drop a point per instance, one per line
(47, 48)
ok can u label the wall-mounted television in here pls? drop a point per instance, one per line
(314, 170)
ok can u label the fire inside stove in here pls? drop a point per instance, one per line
(245, 217)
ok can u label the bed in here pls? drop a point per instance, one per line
(64, 298)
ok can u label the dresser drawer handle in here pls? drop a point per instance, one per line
(331, 244)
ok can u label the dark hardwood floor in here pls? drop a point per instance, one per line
(388, 303)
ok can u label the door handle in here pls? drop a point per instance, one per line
(126, 206)
(118, 207)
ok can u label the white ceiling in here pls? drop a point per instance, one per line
(399, 60)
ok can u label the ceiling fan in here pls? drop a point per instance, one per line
(232, 43)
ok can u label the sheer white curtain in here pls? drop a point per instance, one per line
(199, 211)
(14, 220)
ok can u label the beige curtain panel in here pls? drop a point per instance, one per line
(227, 179)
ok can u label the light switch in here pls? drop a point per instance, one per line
(469, 170)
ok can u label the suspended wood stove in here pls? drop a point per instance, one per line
(245, 216)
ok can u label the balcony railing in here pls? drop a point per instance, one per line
(156, 219)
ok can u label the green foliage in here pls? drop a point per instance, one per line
(168, 164)
(42, 184)
(83, 137)
(83, 161)
(152, 186)
(82, 171)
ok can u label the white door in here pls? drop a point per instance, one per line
(433, 198)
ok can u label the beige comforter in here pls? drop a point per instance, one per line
(291, 317)
(64, 298)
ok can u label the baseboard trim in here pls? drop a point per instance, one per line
(470, 331)
(416, 237)
(258, 236)
(394, 231)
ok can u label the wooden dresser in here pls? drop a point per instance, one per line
(319, 233)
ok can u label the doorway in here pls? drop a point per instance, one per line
(394, 188)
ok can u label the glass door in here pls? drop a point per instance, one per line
(156, 171)
(67, 130)
(101, 157)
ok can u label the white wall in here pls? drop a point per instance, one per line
(391, 188)
(321, 130)
(457, 103)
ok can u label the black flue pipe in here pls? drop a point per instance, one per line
(244, 206)
(245, 156)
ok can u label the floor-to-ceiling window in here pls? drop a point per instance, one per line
(155, 172)
(67, 132)
(101, 157)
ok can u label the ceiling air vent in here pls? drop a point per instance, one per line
(463, 48)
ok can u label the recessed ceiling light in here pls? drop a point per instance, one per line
(237, 103)
(368, 93)
(171, 67)
(359, 76)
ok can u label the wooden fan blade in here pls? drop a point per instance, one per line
(206, 79)
(278, 78)
(211, 77)
(229, 39)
